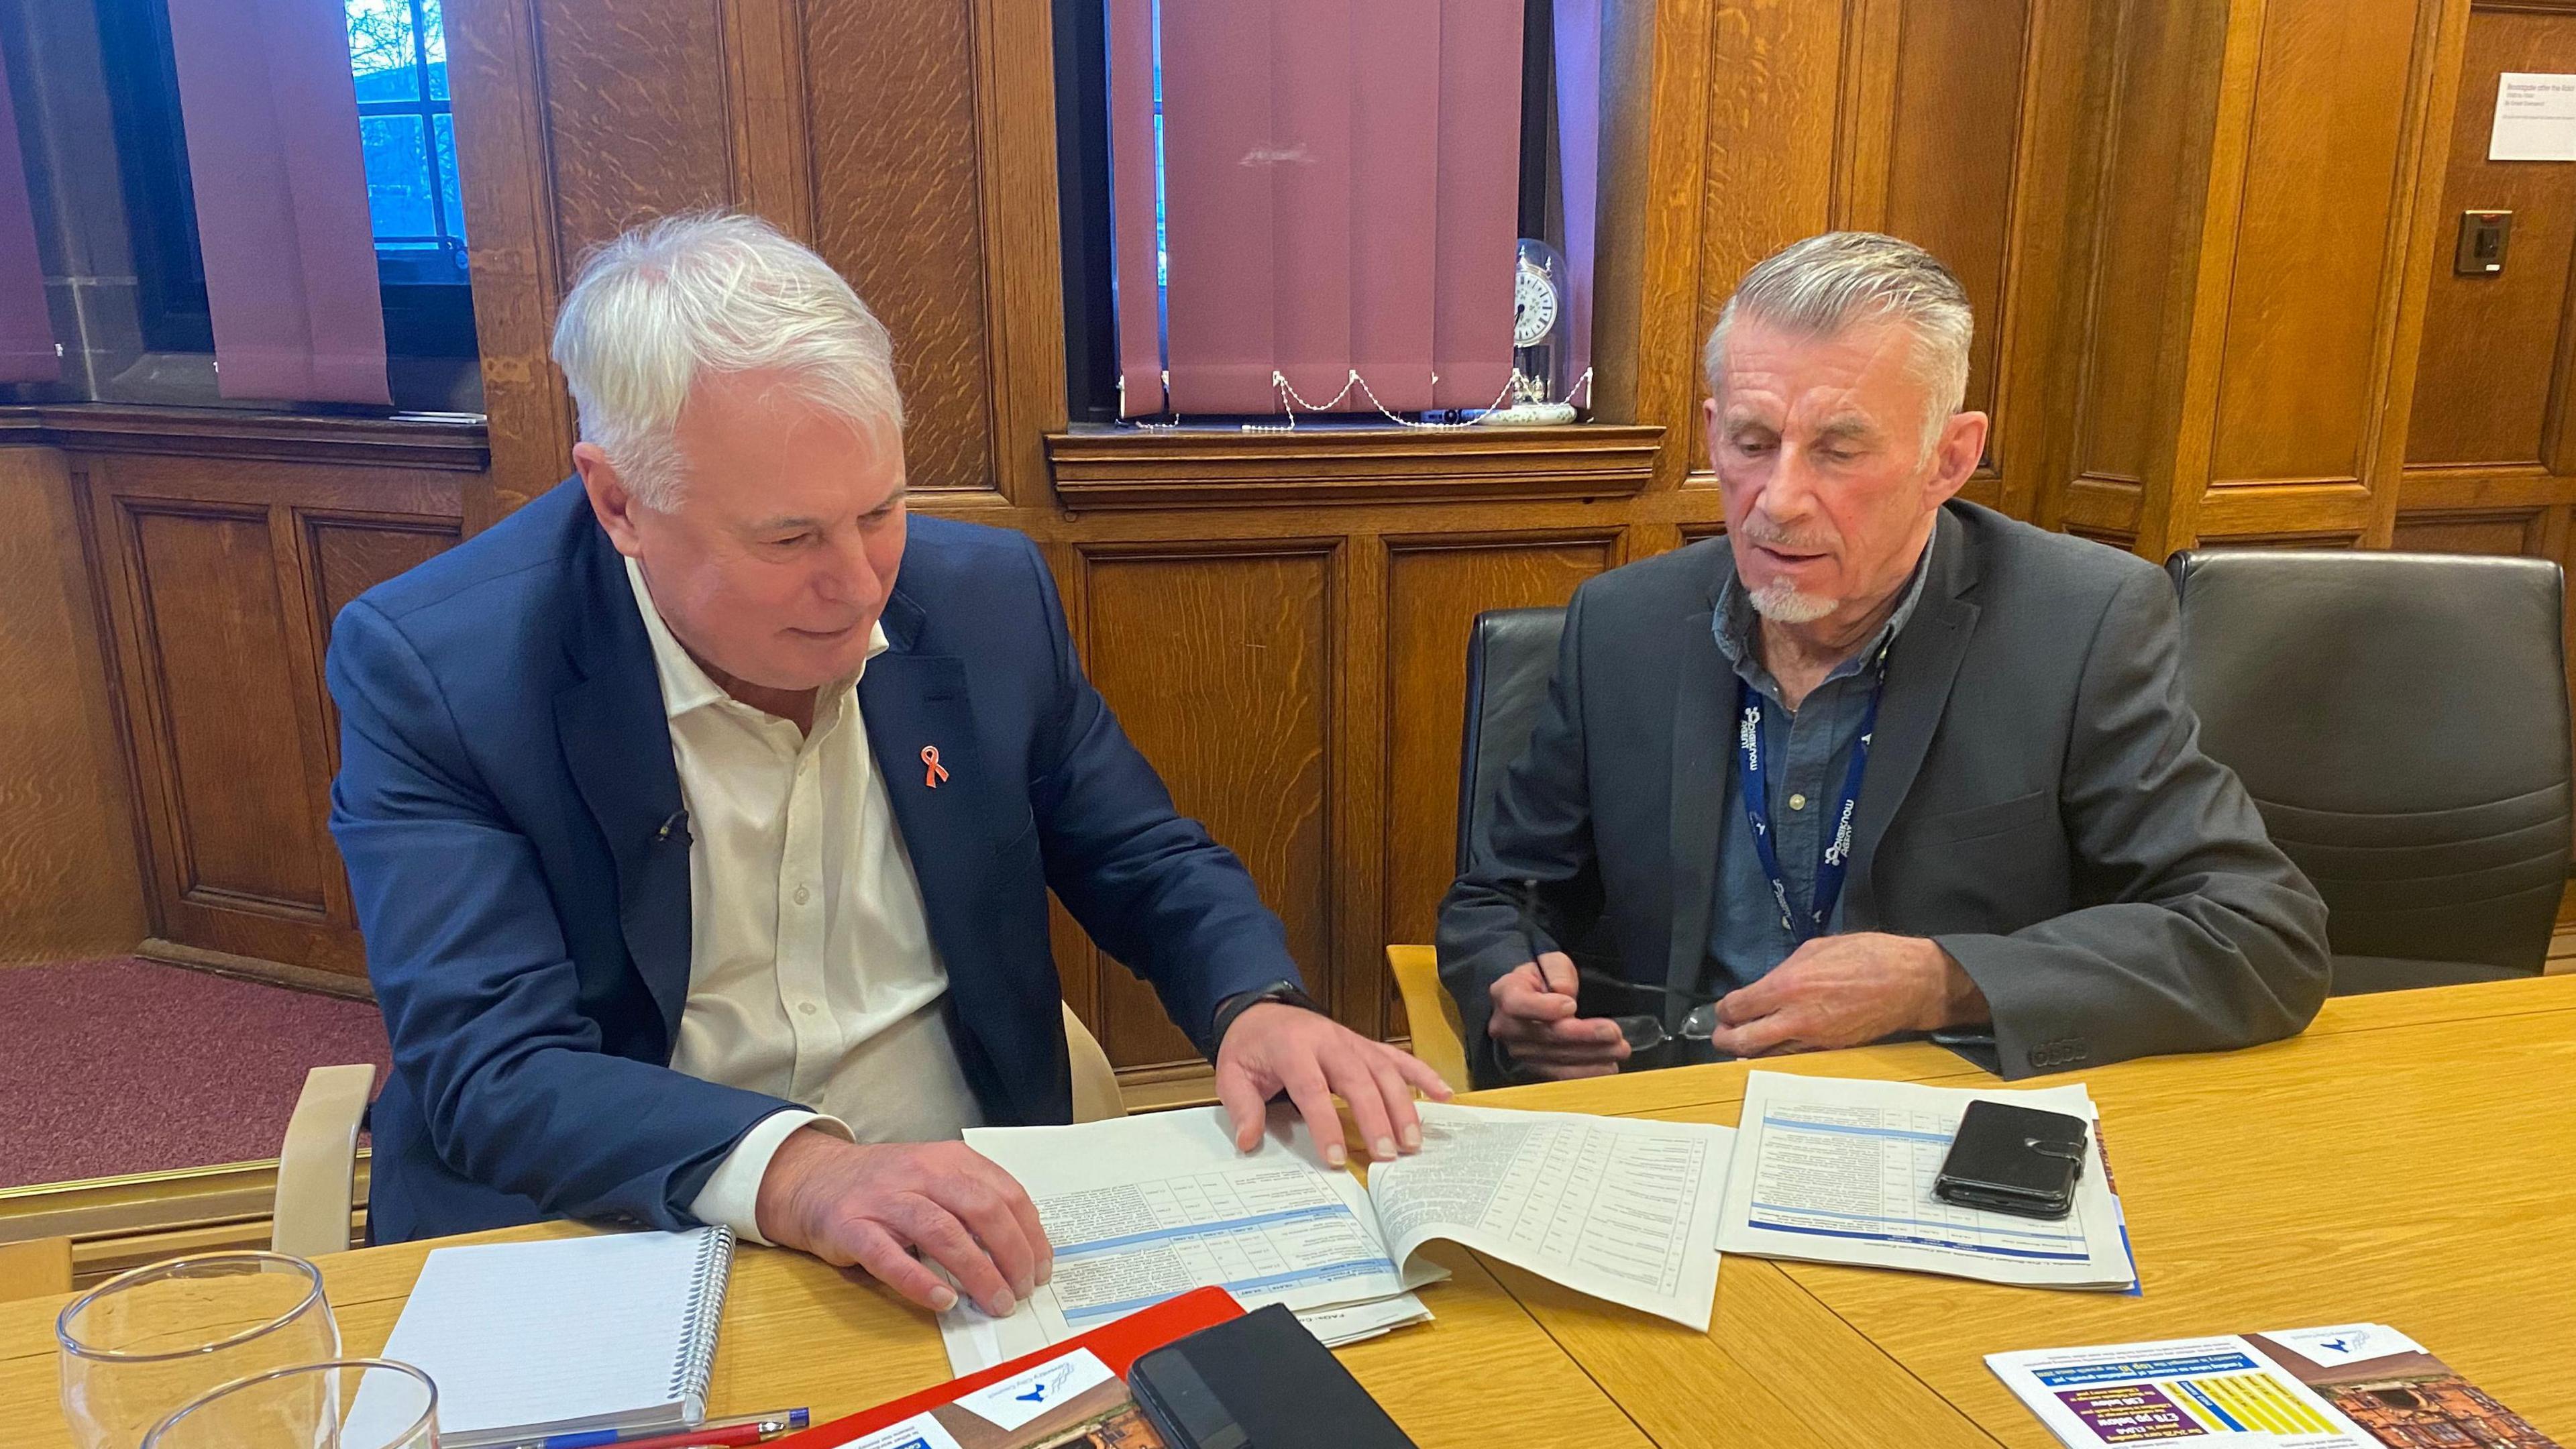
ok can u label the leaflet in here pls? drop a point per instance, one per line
(2351, 1386)
(1836, 1171)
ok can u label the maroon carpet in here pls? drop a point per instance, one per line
(118, 1066)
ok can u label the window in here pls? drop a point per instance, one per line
(398, 58)
(1083, 169)
(398, 55)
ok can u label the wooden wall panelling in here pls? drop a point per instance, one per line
(70, 882)
(2249, 394)
(899, 212)
(2063, 98)
(1951, 126)
(1220, 659)
(220, 578)
(912, 143)
(1656, 128)
(2490, 400)
(1434, 588)
(2533, 534)
(770, 145)
(505, 178)
(2156, 63)
(2306, 304)
(2489, 382)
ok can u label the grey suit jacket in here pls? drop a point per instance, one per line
(2036, 802)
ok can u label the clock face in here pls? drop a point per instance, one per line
(1533, 307)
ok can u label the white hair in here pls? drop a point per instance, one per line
(1823, 285)
(711, 292)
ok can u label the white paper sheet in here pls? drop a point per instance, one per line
(2535, 118)
(1622, 1209)
(1838, 1171)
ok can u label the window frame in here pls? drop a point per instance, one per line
(433, 320)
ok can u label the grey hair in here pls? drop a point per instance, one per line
(1827, 283)
(711, 292)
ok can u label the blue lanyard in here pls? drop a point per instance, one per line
(1833, 852)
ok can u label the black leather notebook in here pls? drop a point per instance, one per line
(1258, 1382)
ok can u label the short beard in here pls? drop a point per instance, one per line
(1780, 603)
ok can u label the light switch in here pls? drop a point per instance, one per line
(2482, 239)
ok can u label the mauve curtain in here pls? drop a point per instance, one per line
(1341, 191)
(272, 120)
(27, 351)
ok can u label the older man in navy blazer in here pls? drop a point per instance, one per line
(701, 817)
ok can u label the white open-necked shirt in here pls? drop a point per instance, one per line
(812, 975)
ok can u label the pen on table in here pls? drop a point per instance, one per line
(716, 1433)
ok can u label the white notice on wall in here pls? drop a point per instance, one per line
(2535, 118)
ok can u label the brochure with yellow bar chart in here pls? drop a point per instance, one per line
(2352, 1386)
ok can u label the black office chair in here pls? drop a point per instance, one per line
(2401, 721)
(1511, 653)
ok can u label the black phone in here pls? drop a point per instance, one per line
(2014, 1160)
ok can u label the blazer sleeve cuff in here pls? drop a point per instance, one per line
(732, 1195)
(2037, 1029)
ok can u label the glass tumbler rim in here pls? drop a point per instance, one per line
(171, 1267)
(429, 1389)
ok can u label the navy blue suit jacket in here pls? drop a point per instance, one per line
(512, 823)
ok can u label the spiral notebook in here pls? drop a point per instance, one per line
(573, 1335)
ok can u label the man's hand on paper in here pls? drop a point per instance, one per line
(1841, 991)
(1534, 1022)
(1274, 1047)
(876, 1205)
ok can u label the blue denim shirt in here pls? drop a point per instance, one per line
(1807, 752)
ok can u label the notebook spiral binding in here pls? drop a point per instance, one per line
(697, 1359)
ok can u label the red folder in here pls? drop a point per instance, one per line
(1117, 1345)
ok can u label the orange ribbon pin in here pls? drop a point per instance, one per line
(936, 771)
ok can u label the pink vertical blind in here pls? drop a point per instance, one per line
(1340, 188)
(27, 351)
(271, 114)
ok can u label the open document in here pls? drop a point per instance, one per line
(1140, 1209)
(1837, 1171)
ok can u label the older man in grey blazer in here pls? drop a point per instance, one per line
(1876, 762)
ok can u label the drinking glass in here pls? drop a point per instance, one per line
(145, 1342)
(359, 1403)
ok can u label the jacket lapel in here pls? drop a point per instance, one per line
(617, 744)
(1703, 713)
(1920, 670)
(953, 820)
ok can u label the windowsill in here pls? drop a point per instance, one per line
(446, 441)
(1098, 467)
(187, 379)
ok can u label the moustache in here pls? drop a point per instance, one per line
(1783, 539)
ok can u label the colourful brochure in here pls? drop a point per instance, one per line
(2353, 1386)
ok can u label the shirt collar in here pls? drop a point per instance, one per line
(685, 685)
(1735, 623)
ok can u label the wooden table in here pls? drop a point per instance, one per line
(2412, 1160)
